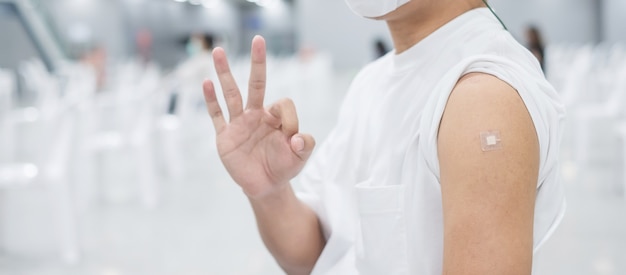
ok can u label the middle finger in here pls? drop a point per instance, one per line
(256, 89)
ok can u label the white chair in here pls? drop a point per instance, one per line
(611, 108)
(576, 80)
(50, 171)
(7, 88)
(620, 126)
(54, 118)
(181, 115)
(169, 127)
(44, 87)
(131, 108)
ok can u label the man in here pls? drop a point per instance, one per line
(444, 159)
(534, 43)
(191, 72)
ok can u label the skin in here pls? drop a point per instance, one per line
(417, 19)
(263, 150)
(488, 197)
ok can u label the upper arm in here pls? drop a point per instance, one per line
(488, 197)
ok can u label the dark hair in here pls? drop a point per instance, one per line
(209, 40)
(536, 36)
(535, 44)
(381, 48)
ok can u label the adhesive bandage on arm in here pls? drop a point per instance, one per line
(490, 141)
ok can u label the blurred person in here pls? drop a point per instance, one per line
(381, 48)
(306, 54)
(96, 58)
(444, 159)
(534, 43)
(191, 72)
(199, 60)
(143, 42)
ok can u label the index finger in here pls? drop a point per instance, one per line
(285, 110)
(256, 86)
(229, 86)
(215, 111)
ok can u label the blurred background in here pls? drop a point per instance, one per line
(107, 157)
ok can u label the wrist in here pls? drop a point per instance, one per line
(277, 197)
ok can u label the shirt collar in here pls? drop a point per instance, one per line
(428, 49)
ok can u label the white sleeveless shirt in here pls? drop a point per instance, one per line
(374, 183)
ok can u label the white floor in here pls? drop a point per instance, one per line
(204, 224)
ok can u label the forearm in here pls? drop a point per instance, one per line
(290, 230)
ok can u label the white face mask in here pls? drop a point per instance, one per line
(374, 8)
(193, 47)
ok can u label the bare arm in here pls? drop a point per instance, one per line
(488, 197)
(262, 151)
(290, 230)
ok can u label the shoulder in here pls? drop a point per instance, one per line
(485, 94)
(479, 105)
(488, 192)
(481, 102)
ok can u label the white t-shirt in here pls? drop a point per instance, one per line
(189, 75)
(374, 183)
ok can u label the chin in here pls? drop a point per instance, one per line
(379, 18)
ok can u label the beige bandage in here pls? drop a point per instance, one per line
(490, 141)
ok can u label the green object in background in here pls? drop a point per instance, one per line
(494, 13)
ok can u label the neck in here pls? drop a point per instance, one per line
(413, 27)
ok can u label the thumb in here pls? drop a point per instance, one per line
(302, 145)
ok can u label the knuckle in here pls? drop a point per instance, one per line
(223, 71)
(257, 84)
(216, 113)
(231, 93)
(286, 102)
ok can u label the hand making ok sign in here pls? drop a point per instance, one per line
(260, 147)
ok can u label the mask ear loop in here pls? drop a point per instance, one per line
(494, 14)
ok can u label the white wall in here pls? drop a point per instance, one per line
(113, 23)
(98, 22)
(561, 21)
(15, 45)
(615, 21)
(330, 26)
(169, 21)
(276, 22)
(326, 25)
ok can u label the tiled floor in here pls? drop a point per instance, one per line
(204, 224)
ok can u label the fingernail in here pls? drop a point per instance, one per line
(297, 143)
